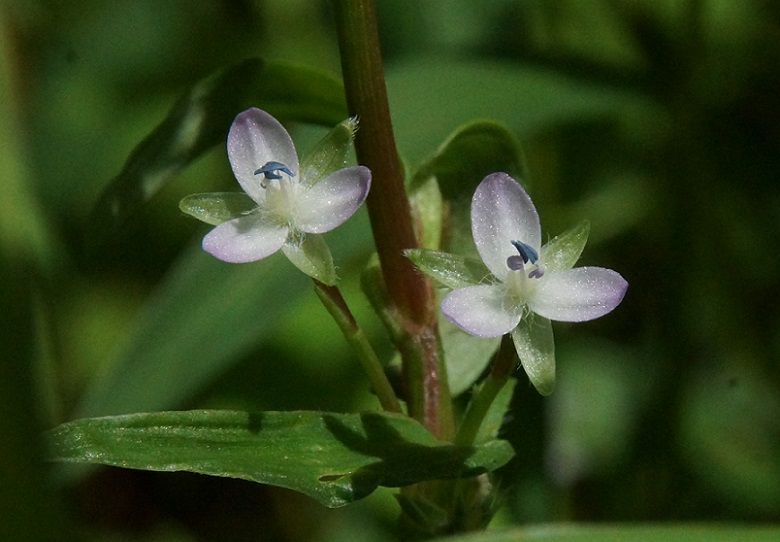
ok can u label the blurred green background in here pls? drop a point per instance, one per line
(659, 121)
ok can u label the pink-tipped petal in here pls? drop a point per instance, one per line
(480, 310)
(244, 239)
(579, 294)
(331, 201)
(256, 138)
(502, 212)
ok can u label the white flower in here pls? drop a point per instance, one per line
(531, 285)
(290, 207)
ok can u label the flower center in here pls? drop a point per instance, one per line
(523, 267)
(279, 196)
(272, 170)
(528, 255)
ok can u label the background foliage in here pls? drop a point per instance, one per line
(657, 121)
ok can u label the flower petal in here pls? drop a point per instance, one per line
(535, 346)
(502, 212)
(256, 138)
(480, 310)
(330, 202)
(579, 294)
(245, 239)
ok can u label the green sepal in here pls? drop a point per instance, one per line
(563, 251)
(333, 458)
(330, 153)
(217, 207)
(450, 270)
(313, 257)
(535, 345)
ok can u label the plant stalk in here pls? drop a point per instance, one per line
(337, 307)
(410, 293)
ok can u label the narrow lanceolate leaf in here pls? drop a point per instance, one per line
(449, 269)
(333, 458)
(200, 120)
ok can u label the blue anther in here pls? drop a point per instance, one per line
(271, 170)
(526, 251)
(536, 273)
(514, 263)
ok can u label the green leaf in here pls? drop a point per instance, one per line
(563, 251)
(201, 119)
(217, 207)
(468, 155)
(330, 153)
(199, 321)
(528, 99)
(495, 416)
(334, 458)
(533, 338)
(449, 269)
(312, 256)
(467, 356)
(627, 533)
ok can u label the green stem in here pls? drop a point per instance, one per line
(337, 307)
(410, 293)
(503, 367)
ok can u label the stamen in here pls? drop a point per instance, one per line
(536, 273)
(515, 263)
(526, 251)
(271, 170)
